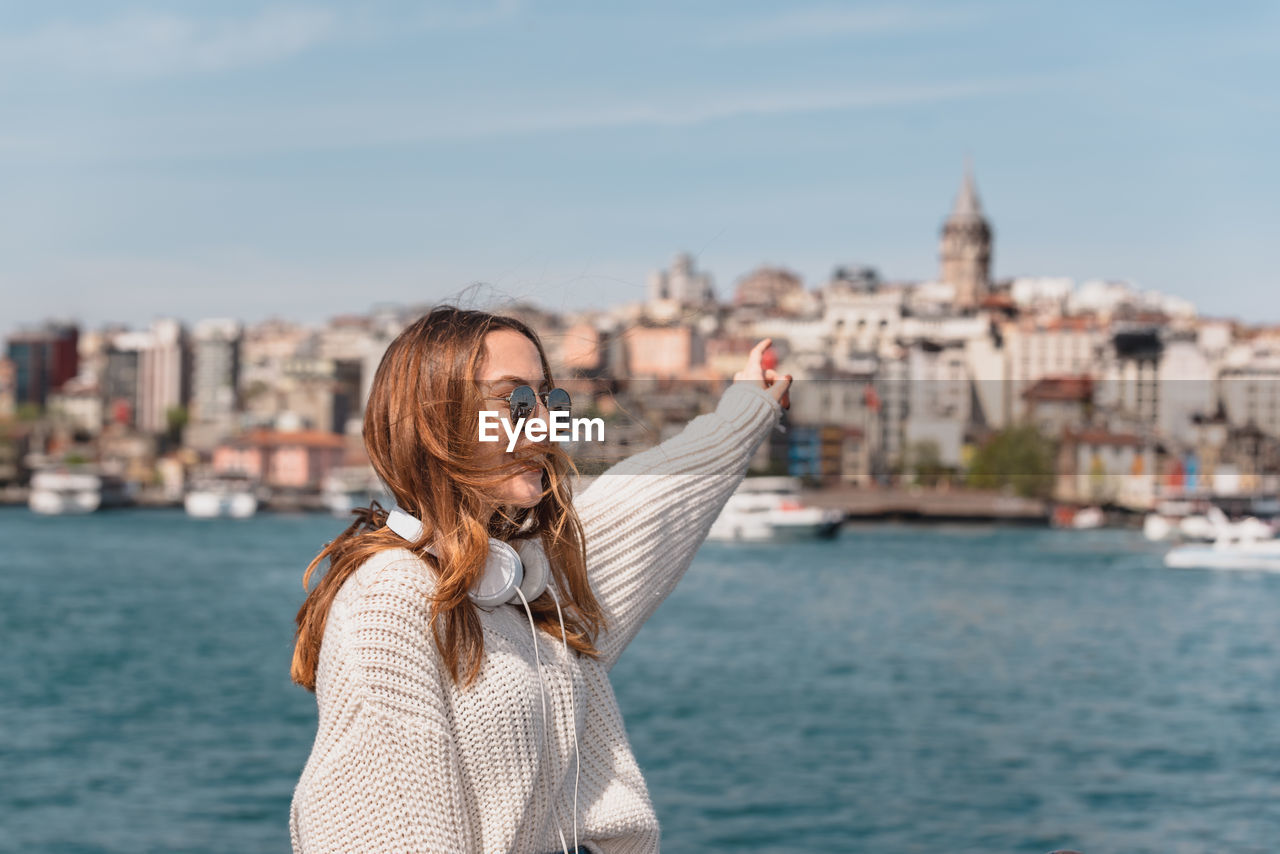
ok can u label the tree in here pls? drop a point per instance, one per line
(925, 461)
(176, 419)
(1019, 457)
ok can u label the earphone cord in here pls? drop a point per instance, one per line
(546, 725)
(577, 756)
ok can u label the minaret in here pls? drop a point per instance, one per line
(966, 247)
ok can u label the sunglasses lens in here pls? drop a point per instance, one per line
(523, 402)
(558, 400)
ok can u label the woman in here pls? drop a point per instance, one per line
(450, 725)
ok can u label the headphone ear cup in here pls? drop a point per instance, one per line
(503, 573)
(537, 568)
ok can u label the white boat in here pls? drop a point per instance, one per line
(215, 497)
(1246, 545)
(1258, 555)
(68, 491)
(769, 508)
(1177, 520)
(1088, 518)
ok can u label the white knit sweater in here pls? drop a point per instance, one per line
(406, 761)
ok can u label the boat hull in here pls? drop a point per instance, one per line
(214, 505)
(1255, 557)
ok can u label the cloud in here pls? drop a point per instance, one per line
(832, 21)
(365, 124)
(151, 44)
(144, 44)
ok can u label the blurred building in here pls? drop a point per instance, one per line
(43, 359)
(768, 288)
(215, 375)
(966, 248)
(121, 370)
(297, 459)
(581, 349)
(8, 395)
(677, 289)
(164, 378)
(215, 382)
(79, 406)
(663, 352)
(1057, 404)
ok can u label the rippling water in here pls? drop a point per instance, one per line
(901, 689)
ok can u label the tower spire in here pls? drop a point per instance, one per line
(966, 246)
(967, 205)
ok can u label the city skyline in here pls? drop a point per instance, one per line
(249, 161)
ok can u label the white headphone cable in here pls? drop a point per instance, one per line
(542, 689)
(573, 717)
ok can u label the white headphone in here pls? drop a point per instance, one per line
(517, 575)
(507, 569)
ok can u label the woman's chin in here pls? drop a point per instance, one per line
(523, 490)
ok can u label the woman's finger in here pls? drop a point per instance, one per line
(779, 386)
(756, 355)
(752, 370)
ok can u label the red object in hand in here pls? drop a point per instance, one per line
(769, 359)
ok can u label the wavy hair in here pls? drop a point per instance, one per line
(420, 431)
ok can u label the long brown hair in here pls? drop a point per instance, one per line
(420, 431)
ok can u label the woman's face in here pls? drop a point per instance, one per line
(510, 360)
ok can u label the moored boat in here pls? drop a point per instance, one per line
(1249, 544)
(221, 496)
(769, 508)
(74, 490)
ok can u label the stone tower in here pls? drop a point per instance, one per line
(966, 247)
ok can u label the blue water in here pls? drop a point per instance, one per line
(901, 689)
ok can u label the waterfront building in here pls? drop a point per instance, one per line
(324, 394)
(285, 459)
(215, 374)
(1250, 395)
(164, 378)
(43, 359)
(1188, 387)
(355, 344)
(1100, 466)
(215, 383)
(119, 384)
(965, 250)
(866, 320)
(1055, 405)
(939, 398)
(264, 349)
(726, 354)
(676, 290)
(1039, 347)
(1041, 295)
(770, 290)
(8, 395)
(663, 352)
(78, 405)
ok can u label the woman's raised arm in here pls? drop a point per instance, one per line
(645, 517)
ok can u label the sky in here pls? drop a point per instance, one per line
(240, 159)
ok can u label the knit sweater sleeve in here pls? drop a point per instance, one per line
(393, 781)
(645, 517)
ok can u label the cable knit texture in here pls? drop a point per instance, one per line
(405, 761)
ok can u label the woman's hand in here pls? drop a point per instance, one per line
(778, 385)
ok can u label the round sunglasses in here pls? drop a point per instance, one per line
(522, 400)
